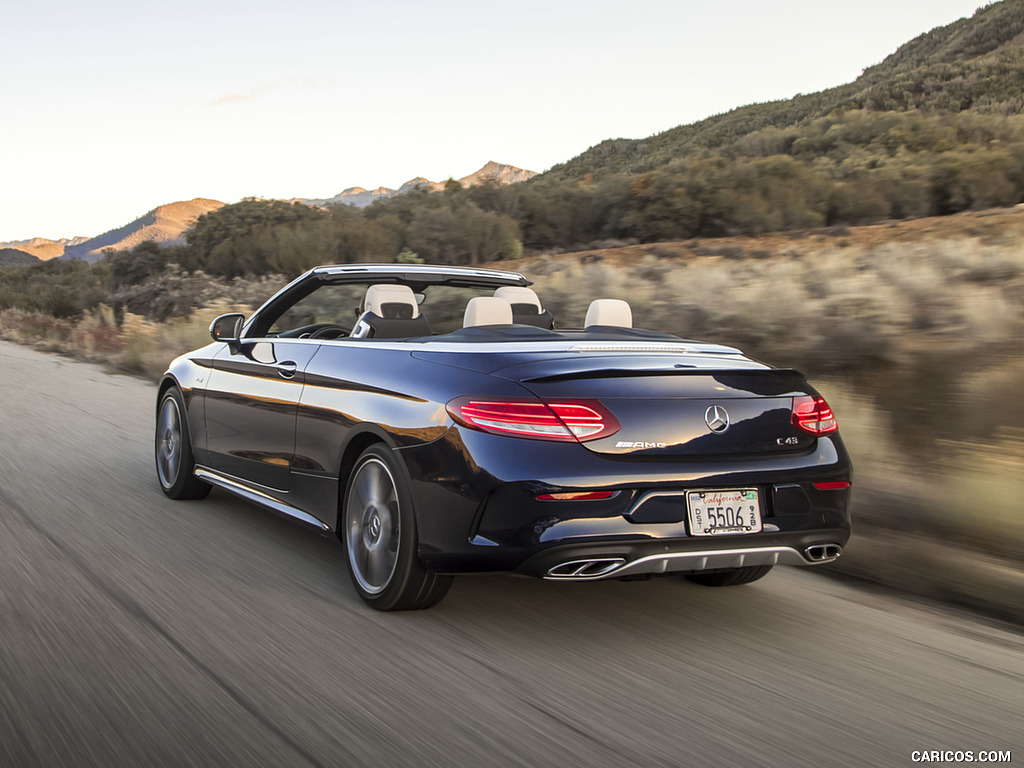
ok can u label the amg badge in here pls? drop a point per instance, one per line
(638, 444)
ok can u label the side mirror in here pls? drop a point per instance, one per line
(227, 328)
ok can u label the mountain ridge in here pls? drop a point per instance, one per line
(491, 171)
(166, 224)
(42, 248)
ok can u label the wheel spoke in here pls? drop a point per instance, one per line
(377, 484)
(365, 487)
(363, 556)
(171, 464)
(357, 499)
(373, 567)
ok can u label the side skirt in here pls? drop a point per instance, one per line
(258, 496)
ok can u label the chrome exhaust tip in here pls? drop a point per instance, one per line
(823, 553)
(576, 569)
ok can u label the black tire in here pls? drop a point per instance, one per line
(378, 528)
(175, 464)
(730, 578)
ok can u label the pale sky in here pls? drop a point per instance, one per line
(111, 108)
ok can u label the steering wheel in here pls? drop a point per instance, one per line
(328, 331)
(307, 331)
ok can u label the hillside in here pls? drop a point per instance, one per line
(12, 257)
(974, 65)
(165, 224)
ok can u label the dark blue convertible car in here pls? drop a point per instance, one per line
(441, 421)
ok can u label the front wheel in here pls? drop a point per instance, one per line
(379, 531)
(730, 578)
(175, 464)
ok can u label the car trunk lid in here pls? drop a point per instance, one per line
(670, 408)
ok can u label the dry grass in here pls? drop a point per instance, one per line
(149, 347)
(834, 307)
(136, 345)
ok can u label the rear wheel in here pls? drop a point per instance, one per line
(175, 463)
(379, 531)
(730, 578)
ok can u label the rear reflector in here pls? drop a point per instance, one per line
(838, 485)
(569, 420)
(580, 496)
(812, 414)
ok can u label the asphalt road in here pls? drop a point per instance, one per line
(139, 631)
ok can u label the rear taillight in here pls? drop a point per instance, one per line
(566, 420)
(832, 485)
(812, 414)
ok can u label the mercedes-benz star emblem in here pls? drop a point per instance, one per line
(717, 419)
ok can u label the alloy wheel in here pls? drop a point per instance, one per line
(372, 525)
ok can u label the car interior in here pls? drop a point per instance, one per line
(396, 312)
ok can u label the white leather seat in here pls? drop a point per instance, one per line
(487, 310)
(391, 301)
(526, 308)
(609, 312)
(515, 294)
(390, 312)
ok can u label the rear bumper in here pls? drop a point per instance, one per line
(582, 562)
(477, 509)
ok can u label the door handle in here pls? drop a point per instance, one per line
(287, 370)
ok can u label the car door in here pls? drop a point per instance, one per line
(252, 401)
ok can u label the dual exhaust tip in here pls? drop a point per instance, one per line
(823, 553)
(577, 569)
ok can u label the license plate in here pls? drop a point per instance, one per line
(718, 512)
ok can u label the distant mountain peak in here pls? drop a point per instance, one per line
(360, 197)
(503, 174)
(165, 224)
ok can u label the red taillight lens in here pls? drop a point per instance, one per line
(835, 485)
(812, 414)
(569, 420)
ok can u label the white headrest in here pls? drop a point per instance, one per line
(487, 310)
(515, 294)
(614, 312)
(379, 295)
